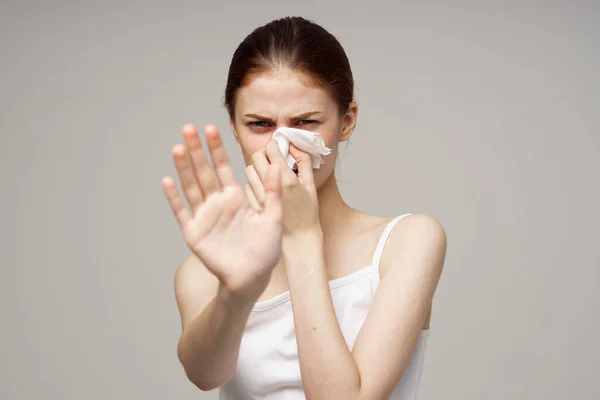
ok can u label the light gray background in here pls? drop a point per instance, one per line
(483, 114)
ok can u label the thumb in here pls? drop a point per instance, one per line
(272, 204)
(304, 162)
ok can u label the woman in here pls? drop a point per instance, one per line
(275, 299)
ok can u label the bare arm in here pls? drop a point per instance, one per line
(234, 249)
(213, 320)
(386, 340)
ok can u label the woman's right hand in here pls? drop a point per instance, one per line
(237, 242)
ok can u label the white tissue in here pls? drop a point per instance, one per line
(310, 142)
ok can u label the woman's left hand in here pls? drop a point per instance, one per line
(299, 194)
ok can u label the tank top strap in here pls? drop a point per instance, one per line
(383, 239)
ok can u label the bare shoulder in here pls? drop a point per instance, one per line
(414, 254)
(195, 287)
(423, 223)
(416, 236)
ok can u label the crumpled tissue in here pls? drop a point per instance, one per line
(310, 142)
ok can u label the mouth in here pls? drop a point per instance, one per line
(295, 171)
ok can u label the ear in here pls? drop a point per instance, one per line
(349, 122)
(233, 130)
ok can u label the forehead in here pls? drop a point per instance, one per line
(282, 93)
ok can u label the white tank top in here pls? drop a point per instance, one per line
(268, 366)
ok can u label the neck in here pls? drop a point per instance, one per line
(333, 210)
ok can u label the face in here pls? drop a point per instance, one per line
(284, 99)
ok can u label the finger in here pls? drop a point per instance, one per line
(260, 162)
(177, 204)
(189, 185)
(273, 206)
(255, 183)
(219, 157)
(304, 162)
(275, 157)
(256, 205)
(203, 174)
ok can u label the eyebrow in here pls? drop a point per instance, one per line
(301, 116)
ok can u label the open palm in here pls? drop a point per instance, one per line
(237, 242)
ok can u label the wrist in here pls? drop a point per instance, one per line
(242, 296)
(302, 240)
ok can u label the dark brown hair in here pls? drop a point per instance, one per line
(298, 44)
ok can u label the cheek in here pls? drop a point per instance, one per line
(251, 144)
(330, 132)
(326, 169)
(331, 140)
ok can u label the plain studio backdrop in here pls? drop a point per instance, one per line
(482, 114)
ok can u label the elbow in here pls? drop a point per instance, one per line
(190, 366)
(197, 373)
(202, 384)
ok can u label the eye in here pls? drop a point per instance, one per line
(259, 124)
(306, 122)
